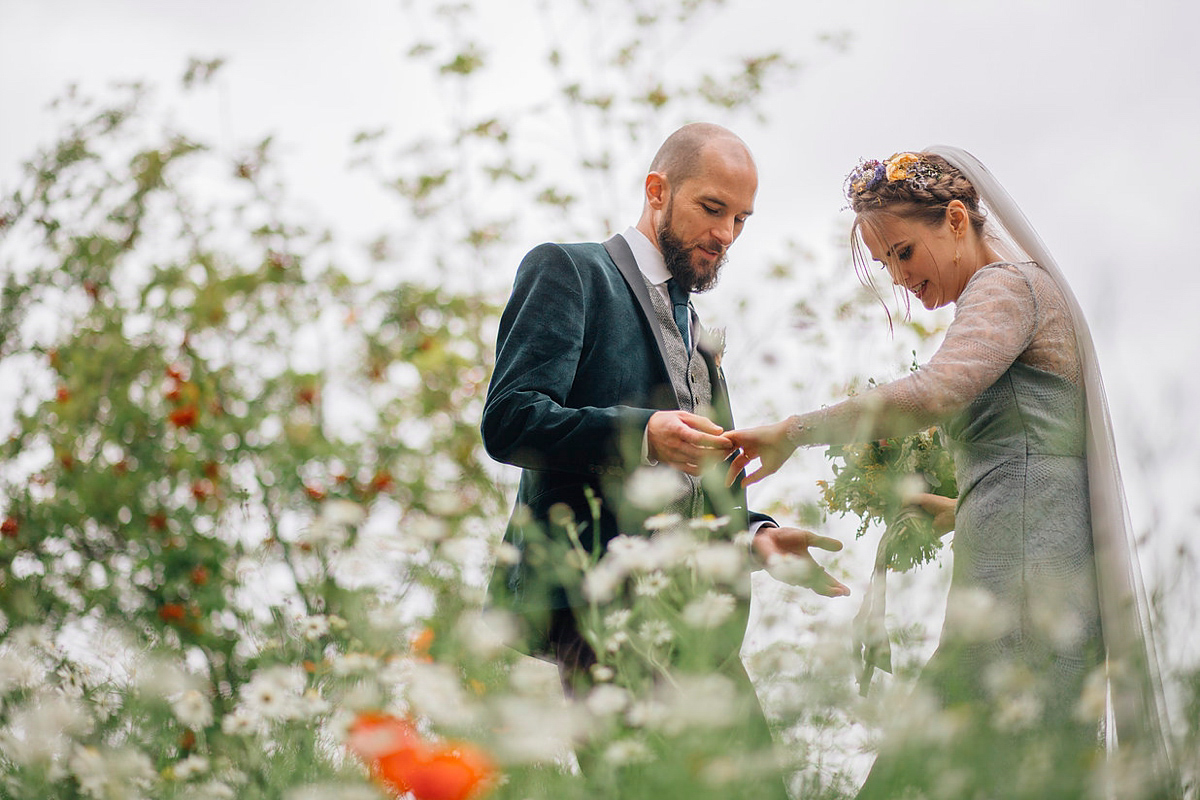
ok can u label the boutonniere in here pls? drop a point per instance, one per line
(713, 342)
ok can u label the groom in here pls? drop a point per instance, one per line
(602, 367)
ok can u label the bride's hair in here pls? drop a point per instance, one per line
(921, 188)
(917, 186)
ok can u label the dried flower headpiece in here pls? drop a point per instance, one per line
(911, 167)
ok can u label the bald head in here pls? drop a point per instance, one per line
(698, 194)
(679, 157)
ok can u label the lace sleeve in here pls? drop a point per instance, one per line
(994, 322)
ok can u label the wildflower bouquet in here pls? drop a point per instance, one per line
(875, 482)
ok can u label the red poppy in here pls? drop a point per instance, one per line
(450, 772)
(374, 736)
(404, 762)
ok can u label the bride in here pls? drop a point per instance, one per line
(1042, 548)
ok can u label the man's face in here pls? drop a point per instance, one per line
(705, 214)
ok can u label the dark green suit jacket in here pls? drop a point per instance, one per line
(580, 369)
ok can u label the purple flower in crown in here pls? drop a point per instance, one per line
(913, 168)
(879, 175)
(867, 175)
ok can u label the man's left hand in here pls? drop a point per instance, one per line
(776, 546)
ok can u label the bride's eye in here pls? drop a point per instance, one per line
(905, 253)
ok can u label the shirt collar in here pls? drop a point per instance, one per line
(647, 256)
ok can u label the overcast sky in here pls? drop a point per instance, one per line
(1088, 110)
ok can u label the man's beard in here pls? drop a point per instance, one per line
(678, 258)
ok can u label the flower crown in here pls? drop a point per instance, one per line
(911, 167)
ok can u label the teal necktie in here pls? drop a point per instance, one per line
(679, 309)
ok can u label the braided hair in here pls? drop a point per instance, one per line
(916, 186)
(928, 185)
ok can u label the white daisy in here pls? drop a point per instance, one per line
(618, 619)
(314, 627)
(190, 767)
(721, 562)
(663, 521)
(709, 610)
(342, 512)
(239, 723)
(607, 700)
(652, 584)
(193, 709)
(654, 487)
(655, 632)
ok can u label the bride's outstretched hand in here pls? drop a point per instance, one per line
(768, 443)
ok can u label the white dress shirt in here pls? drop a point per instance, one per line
(650, 261)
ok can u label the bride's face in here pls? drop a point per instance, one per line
(918, 256)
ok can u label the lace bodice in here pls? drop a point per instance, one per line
(1006, 313)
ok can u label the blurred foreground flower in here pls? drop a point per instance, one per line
(400, 759)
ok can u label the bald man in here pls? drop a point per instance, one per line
(602, 367)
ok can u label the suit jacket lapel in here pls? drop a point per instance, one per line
(720, 391)
(622, 256)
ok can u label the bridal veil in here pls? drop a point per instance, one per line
(1136, 706)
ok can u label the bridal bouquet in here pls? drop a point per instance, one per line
(876, 481)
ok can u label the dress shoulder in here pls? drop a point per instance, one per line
(1026, 294)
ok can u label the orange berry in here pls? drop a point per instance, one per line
(382, 481)
(183, 417)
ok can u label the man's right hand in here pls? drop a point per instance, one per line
(685, 441)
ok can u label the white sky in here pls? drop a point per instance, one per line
(1088, 110)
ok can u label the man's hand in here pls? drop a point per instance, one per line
(768, 443)
(685, 441)
(785, 552)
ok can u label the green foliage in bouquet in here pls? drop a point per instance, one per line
(873, 481)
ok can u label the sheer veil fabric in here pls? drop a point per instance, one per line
(1137, 707)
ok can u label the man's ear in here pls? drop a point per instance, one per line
(657, 190)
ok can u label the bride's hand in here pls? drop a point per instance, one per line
(768, 443)
(941, 509)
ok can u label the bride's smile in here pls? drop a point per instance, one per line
(933, 262)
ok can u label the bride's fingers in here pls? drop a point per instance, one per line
(736, 466)
(756, 476)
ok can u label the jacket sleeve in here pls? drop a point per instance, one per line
(528, 418)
